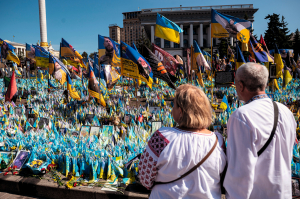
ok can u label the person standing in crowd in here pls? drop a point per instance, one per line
(222, 65)
(257, 168)
(228, 66)
(173, 152)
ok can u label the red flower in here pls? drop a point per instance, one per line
(14, 167)
(9, 168)
(15, 173)
(5, 173)
(75, 184)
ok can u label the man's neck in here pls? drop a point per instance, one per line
(252, 94)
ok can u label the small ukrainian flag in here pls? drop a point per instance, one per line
(167, 29)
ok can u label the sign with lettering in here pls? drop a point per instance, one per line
(224, 79)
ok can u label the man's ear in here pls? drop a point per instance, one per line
(241, 86)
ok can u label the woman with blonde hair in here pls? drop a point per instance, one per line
(185, 161)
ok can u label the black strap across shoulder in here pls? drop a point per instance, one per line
(192, 169)
(273, 130)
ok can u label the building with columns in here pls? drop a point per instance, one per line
(195, 22)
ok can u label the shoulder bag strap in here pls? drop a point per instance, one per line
(192, 169)
(273, 130)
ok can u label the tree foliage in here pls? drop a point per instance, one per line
(296, 43)
(223, 46)
(277, 32)
(84, 55)
(143, 40)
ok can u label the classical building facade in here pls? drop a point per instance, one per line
(195, 22)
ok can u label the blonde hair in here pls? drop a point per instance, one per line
(195, 106)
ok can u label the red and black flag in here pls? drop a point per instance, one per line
(158, 69)
(12, 89)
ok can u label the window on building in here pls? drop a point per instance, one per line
(185, 43)
(157, 42)
(185, 31)
(167, 44)
(176, 45)
(195, 31)
(205, 43)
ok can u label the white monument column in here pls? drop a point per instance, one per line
(181, 37)
(171, 44)
(191, 35)
(152, 34)
(200, 35)
(162, 43)
(43, 23)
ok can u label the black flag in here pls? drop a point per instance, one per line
(158, 68)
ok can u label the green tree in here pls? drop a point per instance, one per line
(84, 55)
(92, 55)
(223, 46)
(277, 32)
(143, 40)
(296, 44)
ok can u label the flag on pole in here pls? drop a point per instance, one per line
(58, 70)
(258, 51)
(12, 88)
(223, 25)
(30, 52)
(41, 57)
(7, 52)
(167, 29)
(278, 62)
(239, 57)
(72, 91)
(134, 65)
(93, 87)
(108, 51)
(199, 57)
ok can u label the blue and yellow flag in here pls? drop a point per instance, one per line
(239, 57)
(224, 104)
(57, 69)
(167, 29)
(278, 62)
(41, 57)
(286, 77)
(94, 86)
(50, 85)
(72, 91)
(67, 50)
(108, 52)
(7, 52)
(134, 65)
(258, 51)
(223, 25)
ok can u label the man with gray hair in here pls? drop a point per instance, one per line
(260, 140)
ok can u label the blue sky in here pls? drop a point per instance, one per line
(80, 21)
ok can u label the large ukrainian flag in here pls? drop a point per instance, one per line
(41, 57)
(167, 29)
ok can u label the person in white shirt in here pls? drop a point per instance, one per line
(248, 129)
(172, 152)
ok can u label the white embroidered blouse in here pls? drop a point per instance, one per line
(171, 152)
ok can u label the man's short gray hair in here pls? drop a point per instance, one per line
(254, 76)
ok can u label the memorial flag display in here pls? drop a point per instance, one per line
(199, 56)
(108, 52)
(157, 67)
(41, 57)
(12, 88)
